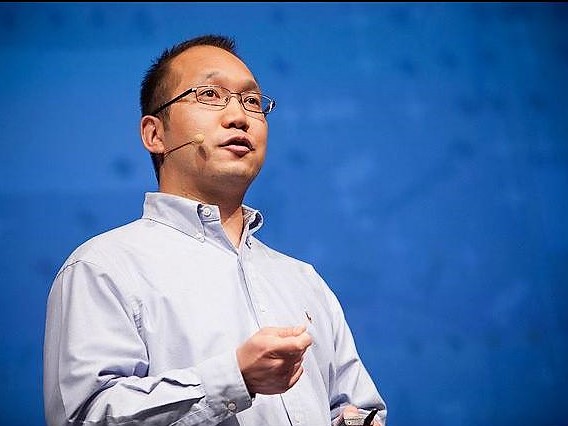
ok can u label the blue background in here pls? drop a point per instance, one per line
(418, 157)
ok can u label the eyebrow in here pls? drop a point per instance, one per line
(248, 84)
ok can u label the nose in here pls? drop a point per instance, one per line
(235, 113)
(239, 98)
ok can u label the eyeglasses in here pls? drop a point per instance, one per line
(219, 96)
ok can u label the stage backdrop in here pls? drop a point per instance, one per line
(418, 157)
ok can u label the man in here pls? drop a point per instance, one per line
(184, 317)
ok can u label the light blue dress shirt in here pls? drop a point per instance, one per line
(143, 323)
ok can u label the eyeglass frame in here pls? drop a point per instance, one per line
(271, 103)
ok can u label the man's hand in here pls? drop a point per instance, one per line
(352, 411)
(271, 360)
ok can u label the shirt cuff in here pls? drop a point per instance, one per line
(225, 389)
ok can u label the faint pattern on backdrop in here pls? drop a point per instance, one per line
(418, 158)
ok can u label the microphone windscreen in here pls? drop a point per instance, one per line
(198, 138)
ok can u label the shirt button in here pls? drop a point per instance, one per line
(231, 406)
(206, 211)
(199, 236)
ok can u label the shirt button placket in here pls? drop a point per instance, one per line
(261, 307)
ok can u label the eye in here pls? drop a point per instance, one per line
(208, 93)
(252, 99)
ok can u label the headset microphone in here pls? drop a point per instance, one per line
(198, 139)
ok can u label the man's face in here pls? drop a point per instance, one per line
(234, 140)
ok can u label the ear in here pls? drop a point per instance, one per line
(152, 133)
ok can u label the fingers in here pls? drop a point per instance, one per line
(304, 339)
(350, 410)
(286, 331)
(296, 335)
(296, 376)
(271, 359)
(288, 341)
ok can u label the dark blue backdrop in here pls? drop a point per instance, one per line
(425, 177)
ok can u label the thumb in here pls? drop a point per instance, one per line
(290, 331)
(349, 411)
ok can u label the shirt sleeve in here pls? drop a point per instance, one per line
(351, 383)
(96, 363)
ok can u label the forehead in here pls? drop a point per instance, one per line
(209, 64)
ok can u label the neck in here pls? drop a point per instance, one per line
(233, 222)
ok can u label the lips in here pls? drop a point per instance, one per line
(239, 143)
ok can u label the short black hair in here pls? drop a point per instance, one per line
(157, 82)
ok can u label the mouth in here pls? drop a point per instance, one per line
(238, 142)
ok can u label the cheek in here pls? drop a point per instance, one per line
(261, 135)
(261, 148)
(192, 120)
(182, 128)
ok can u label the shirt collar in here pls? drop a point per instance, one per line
(189, 216)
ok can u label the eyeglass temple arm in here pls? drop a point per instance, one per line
(174, 100)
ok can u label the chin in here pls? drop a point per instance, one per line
(237, 176)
